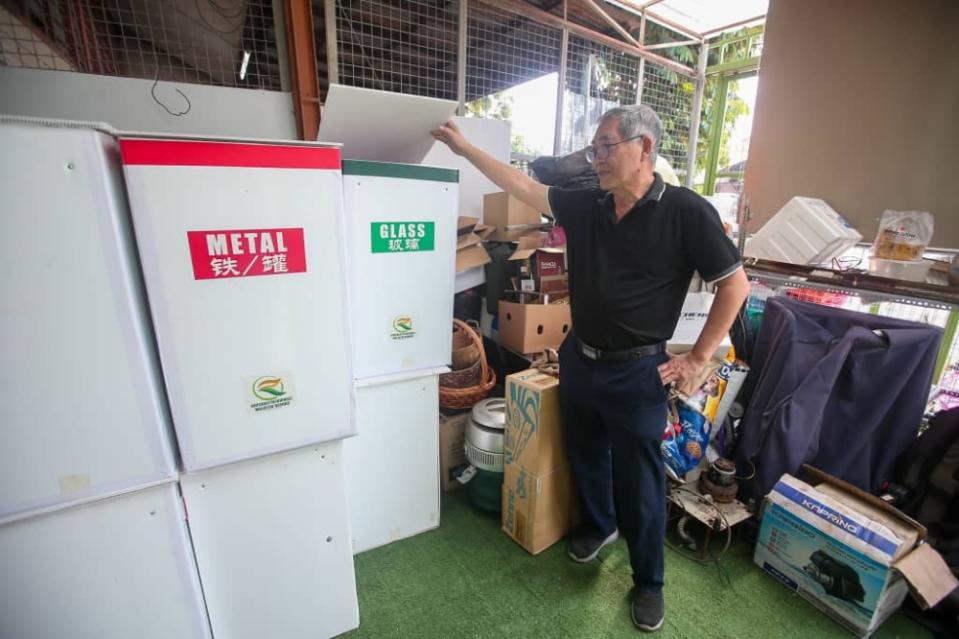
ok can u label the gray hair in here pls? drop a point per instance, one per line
(637, 120)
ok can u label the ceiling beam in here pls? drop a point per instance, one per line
(640, 9)
(609, 20)
(523, 9)
(733, 25)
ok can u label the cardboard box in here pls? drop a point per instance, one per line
(452, 456)
(533, 436)
(503, 210)
(544, 261)
(471, 257)
(539, 495)
(555, 286)
(847, 552)
(539, 510)
(514, 233)
(532, 328)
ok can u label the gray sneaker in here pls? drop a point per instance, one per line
(648, 611)
(584, 549)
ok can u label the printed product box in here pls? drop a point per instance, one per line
(847, 552)
(452, 455)
(539, 495)
(531, 328)
(538, 510)
(533, 437)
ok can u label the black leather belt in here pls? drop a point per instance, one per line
(620, 356)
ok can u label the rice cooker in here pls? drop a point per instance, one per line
(484, 450)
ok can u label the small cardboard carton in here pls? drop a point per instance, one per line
(452, 455)
(503, 210)
(514, 233)
(847, 552)
(539, 495)
(533, 327)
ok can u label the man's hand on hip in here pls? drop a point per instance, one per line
(680, 369)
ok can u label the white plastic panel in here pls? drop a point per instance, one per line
(272, 544)
(389, 286)
(113, 569)
(392, 465)
(84, 413)
(229, 317)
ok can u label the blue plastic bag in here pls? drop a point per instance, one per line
(685, 441)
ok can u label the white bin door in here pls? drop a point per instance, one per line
(392, 465)
(272, 544)
(84, 413)
(402, 220)
(242, 251)
(114, 569)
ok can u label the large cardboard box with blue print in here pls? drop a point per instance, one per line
(539, 495)
(848, 553)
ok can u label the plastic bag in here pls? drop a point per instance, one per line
(685, 441)
(903, 235)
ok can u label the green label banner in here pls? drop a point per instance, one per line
(402, 237)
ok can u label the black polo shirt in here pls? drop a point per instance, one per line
(628, 280)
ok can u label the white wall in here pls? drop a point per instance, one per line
(127, 104)
(857, 104)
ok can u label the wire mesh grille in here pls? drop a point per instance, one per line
(598, 78)
(946, 393)
(671, 96)
(505, 49)
(407, 46)
(218, 42)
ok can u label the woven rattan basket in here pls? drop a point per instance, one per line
(467, 396)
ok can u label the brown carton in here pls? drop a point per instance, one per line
(539, 495)
(503, 210)
(539, 510)
(533, 436)
(532, 328)
(452, 455)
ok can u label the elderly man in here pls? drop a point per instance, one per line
(633, 245)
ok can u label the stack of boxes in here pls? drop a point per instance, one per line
(401, 234)
(539, 494)
(534, 312)
(89, 509)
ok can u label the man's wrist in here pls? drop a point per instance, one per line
(698, 357)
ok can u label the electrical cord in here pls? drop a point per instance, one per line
(153, 94)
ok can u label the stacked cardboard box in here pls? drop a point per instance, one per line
(539, 496)
(542, 269)
(530, 319)
(510, 218)
(470, 253)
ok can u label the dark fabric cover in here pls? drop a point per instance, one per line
(829, 391)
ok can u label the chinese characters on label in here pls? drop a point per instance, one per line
(246, 252)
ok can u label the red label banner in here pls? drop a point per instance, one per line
(246, 252)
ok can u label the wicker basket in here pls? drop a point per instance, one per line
(463, 377)
(465, 397)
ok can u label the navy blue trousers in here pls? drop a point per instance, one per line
(614, 414)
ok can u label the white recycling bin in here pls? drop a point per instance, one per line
(113, 569)
(392, 465)
(84, 414)
(272, 545)
(402, 226)
(242, 252)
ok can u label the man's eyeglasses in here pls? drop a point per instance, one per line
(601, 151)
